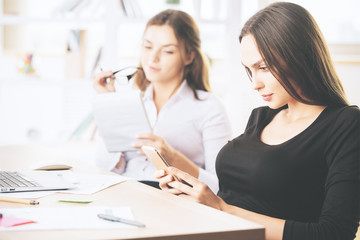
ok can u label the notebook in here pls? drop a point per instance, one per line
(32, 181)
(120, 116)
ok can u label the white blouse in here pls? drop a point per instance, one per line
(196, 128)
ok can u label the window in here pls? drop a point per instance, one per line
(338, 20)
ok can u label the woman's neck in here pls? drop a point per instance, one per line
(163, 92)
(298, 110)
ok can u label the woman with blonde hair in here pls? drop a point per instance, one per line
(176, 94)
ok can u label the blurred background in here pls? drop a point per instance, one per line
(49, 51)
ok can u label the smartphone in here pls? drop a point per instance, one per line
(155, 157)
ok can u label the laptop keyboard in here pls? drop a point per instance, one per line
(15, 179)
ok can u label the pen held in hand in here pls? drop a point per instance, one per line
(121, 220)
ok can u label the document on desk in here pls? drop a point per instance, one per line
(68, 218)
(120, 116)
(90, 183)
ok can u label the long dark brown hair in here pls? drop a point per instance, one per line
(188, 35)
(294, 49)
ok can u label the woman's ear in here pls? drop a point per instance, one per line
(189, 58)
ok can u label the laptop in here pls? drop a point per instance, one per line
(12, 181)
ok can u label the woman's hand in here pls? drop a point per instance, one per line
(167, 151)
(164, 180)
(189, 187)
(170, 154)
(101, 84)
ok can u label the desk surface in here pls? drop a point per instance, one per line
(166, 216)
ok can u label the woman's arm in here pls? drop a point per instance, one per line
(214, 128)
(108, 160)
(215, 132)
(171, 155)
(198, 191)
(339, 217)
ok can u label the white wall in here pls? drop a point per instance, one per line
(229, 81)
(349, 74)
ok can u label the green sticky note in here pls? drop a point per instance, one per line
(76, 200)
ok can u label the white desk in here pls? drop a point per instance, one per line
(166, 216)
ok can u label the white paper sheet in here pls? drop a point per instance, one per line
(90, 183)
(120, 116)
(67, 218)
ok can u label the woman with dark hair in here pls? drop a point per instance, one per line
(295, 169)
(183, 113)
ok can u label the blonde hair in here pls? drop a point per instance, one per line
(187, 33)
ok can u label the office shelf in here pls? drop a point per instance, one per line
(19, 20)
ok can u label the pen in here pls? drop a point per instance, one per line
(121, 220)
(16, 200)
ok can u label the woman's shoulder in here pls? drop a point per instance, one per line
(204, 95)
(344, 115)
(350, 110)
(345, 112)
(208, 97)
(209, 104)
